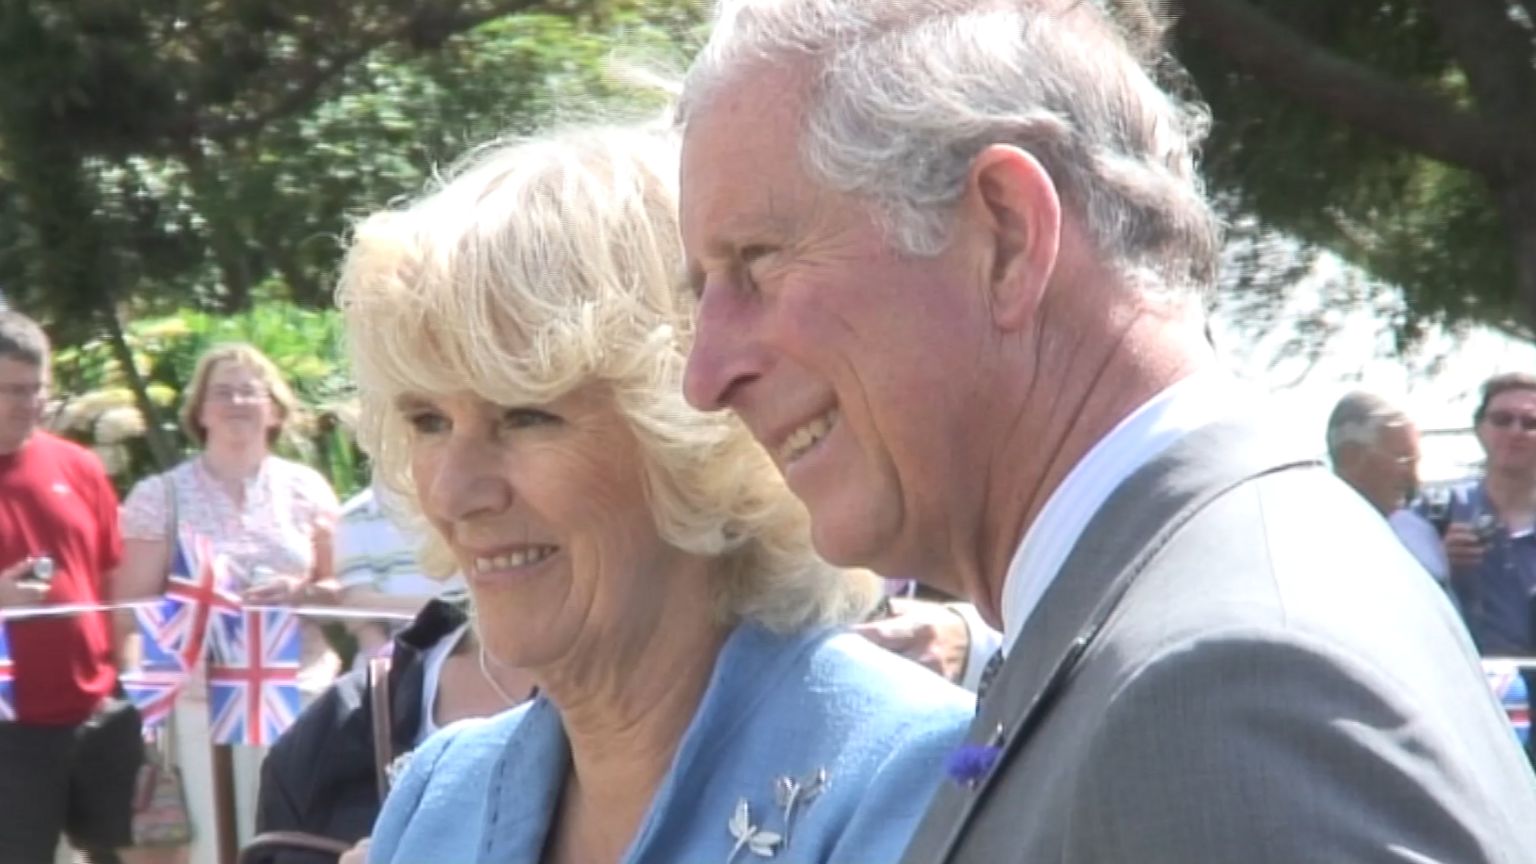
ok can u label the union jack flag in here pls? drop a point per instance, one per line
(153, 692)
(253, 675)
(7, 679)
(1509, 686)
(175, 629)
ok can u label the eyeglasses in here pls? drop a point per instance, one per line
(243, 394)
(21, 391)
(1506, 419)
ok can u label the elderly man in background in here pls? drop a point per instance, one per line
(1374, 448)
(951, 260)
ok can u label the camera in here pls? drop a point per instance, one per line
(1486, 527)
(42, 570)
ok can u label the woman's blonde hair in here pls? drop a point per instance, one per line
(239, 354)
(537, 266)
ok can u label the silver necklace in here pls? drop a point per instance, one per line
(490, 679)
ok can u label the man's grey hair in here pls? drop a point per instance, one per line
(1358, 419)
(902, 96)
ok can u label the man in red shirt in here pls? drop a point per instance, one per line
(69, 757)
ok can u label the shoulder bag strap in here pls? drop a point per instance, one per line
(378, 700)
(172, 520)
(261, 847)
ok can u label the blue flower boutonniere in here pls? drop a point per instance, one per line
(969, 764)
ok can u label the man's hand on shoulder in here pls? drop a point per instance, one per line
(924, 632)
(16, 591)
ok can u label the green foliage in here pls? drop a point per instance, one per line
(221, 148)
(1316, 167)
(289, 191)
(191, 167)
(97, 407)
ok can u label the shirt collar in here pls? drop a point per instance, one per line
(1186, 405)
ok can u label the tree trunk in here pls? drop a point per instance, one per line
(161, 448)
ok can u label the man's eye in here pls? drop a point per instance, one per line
(523, 418)
(755, 261)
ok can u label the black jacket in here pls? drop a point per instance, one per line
(319, 776)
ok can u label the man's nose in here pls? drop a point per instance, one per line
(727, 355)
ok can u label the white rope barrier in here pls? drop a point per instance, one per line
(58, 609)
(1517, 662)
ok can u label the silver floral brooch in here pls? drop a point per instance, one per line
(790, 795)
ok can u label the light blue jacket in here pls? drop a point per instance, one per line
(782, 713)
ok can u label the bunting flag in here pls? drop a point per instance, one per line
(253, 675)
(153, 692)
(173, 630)
(1508, 685)
(7, 679)
(252, 652)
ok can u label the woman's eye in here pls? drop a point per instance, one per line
(427, 423)
(523, 418)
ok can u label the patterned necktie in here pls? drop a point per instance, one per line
(988, 673)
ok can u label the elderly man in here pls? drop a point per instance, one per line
(950, 259)
(1374, 447)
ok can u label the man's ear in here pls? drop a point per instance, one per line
(1343, 457)
(1015, 201)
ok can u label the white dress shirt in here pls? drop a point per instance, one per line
(984, 642)
(1423, 541)
(1196, 401)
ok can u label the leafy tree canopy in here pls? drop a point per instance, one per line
(1400, 134)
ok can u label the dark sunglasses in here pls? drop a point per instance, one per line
(1506, 419)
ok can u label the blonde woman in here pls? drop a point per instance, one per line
(270, 518)
(519, 340)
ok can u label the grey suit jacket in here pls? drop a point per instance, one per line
(1275, 680)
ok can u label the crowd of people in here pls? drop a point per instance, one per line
(943, 321)
(268, 520)
(1475, 536)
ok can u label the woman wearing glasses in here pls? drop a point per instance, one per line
(269, 518)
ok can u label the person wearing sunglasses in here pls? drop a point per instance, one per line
(1489, 539)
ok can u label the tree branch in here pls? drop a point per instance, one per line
(308, 75)
(1495, 54)
(1342, 88)
(304, 83)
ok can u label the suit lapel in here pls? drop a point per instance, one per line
(1120, 540)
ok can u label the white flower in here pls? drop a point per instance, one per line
(118, 424)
